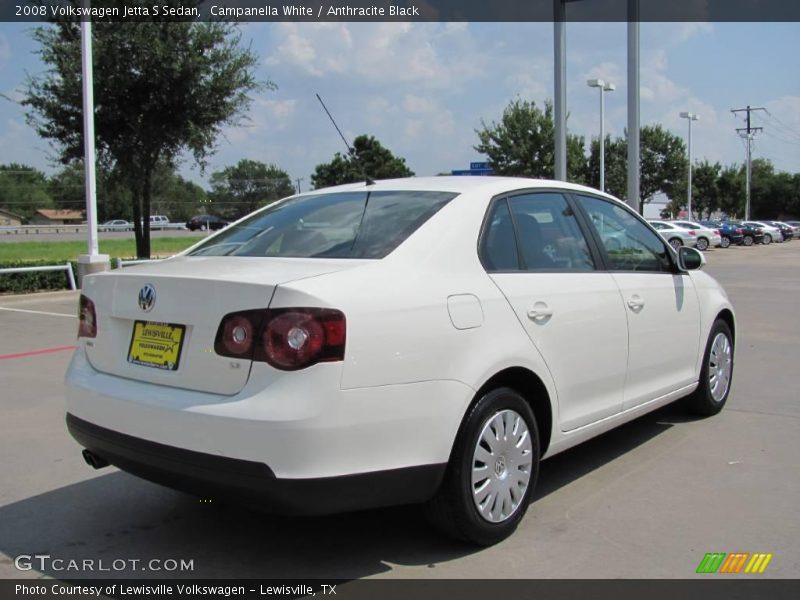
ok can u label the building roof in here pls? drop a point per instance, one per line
(8, 213)
(57, 214)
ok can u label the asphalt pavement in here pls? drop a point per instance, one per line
(646, 500)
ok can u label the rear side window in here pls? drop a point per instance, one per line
(360, 224)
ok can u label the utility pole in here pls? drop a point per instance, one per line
(748, 133)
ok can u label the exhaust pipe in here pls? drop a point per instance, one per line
(94, 461)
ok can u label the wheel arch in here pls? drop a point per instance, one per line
(726, 315)
(531, 387)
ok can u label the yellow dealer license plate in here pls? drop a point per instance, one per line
(156, 345)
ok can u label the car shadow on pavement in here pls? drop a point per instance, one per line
(118, 517)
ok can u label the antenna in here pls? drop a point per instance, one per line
(350, 150)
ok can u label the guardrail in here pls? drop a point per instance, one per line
(126, 263)
(41, 229)
(66, 267)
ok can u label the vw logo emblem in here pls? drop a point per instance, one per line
(147, 298)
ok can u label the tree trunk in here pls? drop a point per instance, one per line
(137, 219)
(147, 190)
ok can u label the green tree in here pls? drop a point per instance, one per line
(370, 158)
(663, 163)
(732, 192)
(160, 89)
(23, 189)
(522, 144)
(250, 184)
(706, 195)
(616, 166)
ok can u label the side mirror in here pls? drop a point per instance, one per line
(690, 259)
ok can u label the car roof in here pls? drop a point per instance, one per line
(462, 184)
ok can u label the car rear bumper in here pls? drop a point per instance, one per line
(253, 483)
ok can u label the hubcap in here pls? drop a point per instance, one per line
(501, 466)
(720, 366)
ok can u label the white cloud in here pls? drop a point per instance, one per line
(5, 50)
(433, 54)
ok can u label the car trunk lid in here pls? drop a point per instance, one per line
(167, 338)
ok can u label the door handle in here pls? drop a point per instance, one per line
(635, 303)
(540, 312)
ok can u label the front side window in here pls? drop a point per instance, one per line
(358, 224)
(629, 244)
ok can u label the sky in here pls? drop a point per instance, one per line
(423, 88)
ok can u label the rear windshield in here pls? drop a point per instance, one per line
(359, 224)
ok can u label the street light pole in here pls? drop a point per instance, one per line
(604, 87)
(689, 117)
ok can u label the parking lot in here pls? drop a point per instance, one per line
(647, 500)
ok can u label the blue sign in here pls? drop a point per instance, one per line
(479, 165)
(472, 172)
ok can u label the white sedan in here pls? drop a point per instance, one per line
(771, 233)
(676, 236)
(420, 340)
(706, 236)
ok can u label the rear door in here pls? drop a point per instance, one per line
(536, 252)
(661, 304)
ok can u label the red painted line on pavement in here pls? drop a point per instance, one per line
(37, 352)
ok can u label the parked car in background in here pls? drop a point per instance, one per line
(731, 234)
(795, 225)
(706, 236)
(158, 221)
(417, 340)
(206, 223)
(676, 236)
(116, 225)
(786, 230)
(752, 234)
(771, 234)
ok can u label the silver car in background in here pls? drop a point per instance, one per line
(771, 234)
(675, 236)
(706, 236)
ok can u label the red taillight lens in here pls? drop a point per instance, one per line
(288, 339)
(692, 232)
(87, 318)
(739, 231)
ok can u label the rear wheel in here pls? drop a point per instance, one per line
(748, 240)
(676, 243)
(702, 243)
(725, 242)
(492, 471)
(716, 375)
(767, 239)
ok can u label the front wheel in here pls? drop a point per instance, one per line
(716, 375)
(748, 240)
(725, 242)
(492, 471)
(676, 243)
(767, 239)
(702, 244)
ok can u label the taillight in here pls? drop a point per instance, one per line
(87, 318)
(287, 338)
(692, 232)
(739, 231)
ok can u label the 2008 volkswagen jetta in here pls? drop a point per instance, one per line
(424, 340)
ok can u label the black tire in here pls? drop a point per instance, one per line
(748, 240)
(702, 243)
(676, 243)
(767, 239)
(452, 510)
(702, 401)
(725, 242)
